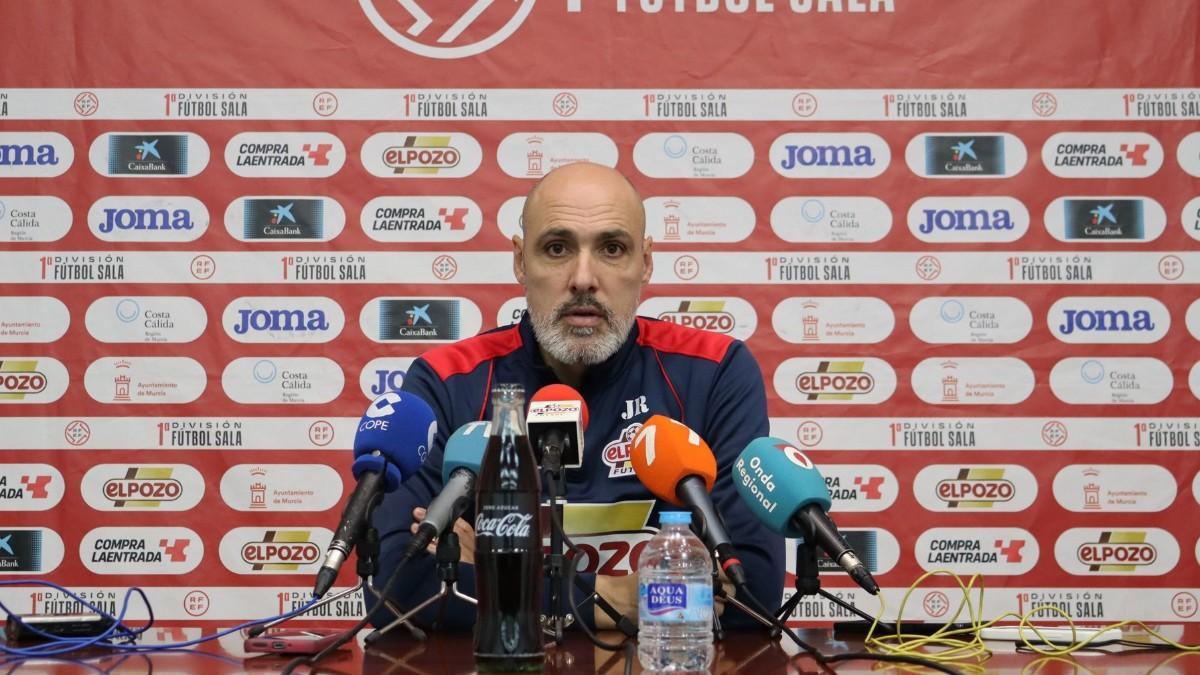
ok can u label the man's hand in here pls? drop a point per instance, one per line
(622, 594)
(466, 539)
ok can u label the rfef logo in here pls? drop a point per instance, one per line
(439, 30)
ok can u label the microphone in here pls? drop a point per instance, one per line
(460, 466)
(677, 466)
(785, 491)
(392, 441)
(555, 423)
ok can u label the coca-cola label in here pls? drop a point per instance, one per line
(507, 521)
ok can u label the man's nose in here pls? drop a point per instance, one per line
(583, 276)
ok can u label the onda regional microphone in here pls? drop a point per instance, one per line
(460, 467)
(785, 491)
(392, 441)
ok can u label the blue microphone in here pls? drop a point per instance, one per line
(392, 441)
(460, 465)
(787, 493)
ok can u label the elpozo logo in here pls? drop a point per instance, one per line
(142, 487)
(26, 379)
(148, 219)
(425, 154)
(437, 31)
(30, 487)
(283, 319)
(1104, 220)
(421, 218)
(1119, 154)
(1128, 551)
(1108, 320)
(949, 488)
(141, 550)
(971, 550)
(860, 487)
(34, 154)
(145, 379)
(971, 155)
(970, 320)
(30, 218)
(149, 155)
(281, 487)
(1116, 488)
(827, 220)
(1099, 380)
(698, 219)
(152, 319)
(32, 319)
(835, 380)
(956, 220)
(727, 316)
(285, 154)
(830, 155)
(533, 155)
(420, 319)
(950, 380)
(275, 550)
(284, 218)
(292, 380)
(833, 320)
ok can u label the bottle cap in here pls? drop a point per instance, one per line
(675, 518)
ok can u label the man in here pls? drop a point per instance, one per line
(583, 260)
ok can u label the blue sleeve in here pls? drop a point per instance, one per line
(419, 579)
(737, 410)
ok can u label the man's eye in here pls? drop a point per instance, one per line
(556, 249)
(614, 249)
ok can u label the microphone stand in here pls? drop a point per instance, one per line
(448, 553)
(808, 582)
(698, 526)
(559, 618)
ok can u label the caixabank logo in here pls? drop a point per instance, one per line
(142, 487)
(980, 155)
(877, 548)
(981, 487)
(149, 155)
(1116, 220)
(1112, 551)
(141, 550)
(284, 218)
(30, 550)
(30, 487)
(420, 319)
(274, 550)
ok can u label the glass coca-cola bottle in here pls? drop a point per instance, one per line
(508, 543)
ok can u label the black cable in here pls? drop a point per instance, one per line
(893, 658)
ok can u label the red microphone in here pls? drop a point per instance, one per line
(556, 421)
(677, 466)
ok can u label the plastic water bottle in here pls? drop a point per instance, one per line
(675, 600)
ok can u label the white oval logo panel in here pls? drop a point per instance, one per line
(693, 155)
(253, 379)
(267, 219)
(1105, 220)
(849, 320)
(1194, 380)
(511, 311)
(977, 550)
(169, 220)
(970, 320)
(421, 218)
(702, 220)
(1142, 488)
(384, 374)
(1116, 551)
(34, 154)
(828, 220)
(32, 319)
(142, 487)
(533, 155)
(420, 319)
(968, 220)
(728, 316)
(149, 155)
(283, 319)
(1188, 153)
(878, 548)
(860, 487)
(141, 550)
(28, 219)
(424, 154)
(508, 218)
(150, 318)
(30, 487)
(145, 379)
(1189, 218)
(285, 154)
(1101, 379)
(973, 381)
(32, 379)
(1108, 320)
(830, 155)
(969, 155)
(31, 550)
(835, 380)
(1113, 154)
(952, 488)
(281, 487)
(274, 550)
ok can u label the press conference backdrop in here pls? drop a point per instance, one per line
(961, 239)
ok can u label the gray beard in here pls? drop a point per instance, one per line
(580, 345)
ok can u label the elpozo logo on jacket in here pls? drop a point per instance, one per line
(274, 550)
(440, 30)
(258, 319)
(835, 380)
(152, 318)
(34, 154)
(1103, 220)
(956, 220)
(141, 550)
(424, 154)
(148, 219)
(970, 320)
(285, 218)
(1116, 551)
(33, 218)
(149, 155)
(972, 155)
(420, 319)
(30, 487)
(421, 218)
(142, 487)
(285, 154)
(1108, 320)
(25, 550)
(1099, 154)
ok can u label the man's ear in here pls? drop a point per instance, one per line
(518, 259)
(647, 260)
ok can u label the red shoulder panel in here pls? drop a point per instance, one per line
(465, 355)
(674, 339)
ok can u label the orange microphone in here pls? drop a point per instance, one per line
(677, 466)
(555, 422)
